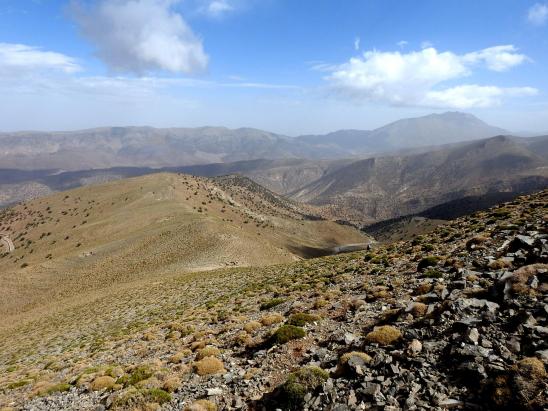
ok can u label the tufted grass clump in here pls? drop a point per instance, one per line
(209, 351)
(532, 368)
(343, 360)
(202, 405)
(287, 333)
(433, 273)
(18, 384)
(252, 326)
(266, 305)
(342, 366)
(133, 397)
(301, 319)
(301, 382)
(138, 374)
(209, 366)
(270, 319)
(104, 382)
(50, 388)
(426, 262)
(384, 335)
(418, 309)
(157, 395)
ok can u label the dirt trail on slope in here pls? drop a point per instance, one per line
(6, 241)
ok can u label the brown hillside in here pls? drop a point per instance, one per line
(91, 239)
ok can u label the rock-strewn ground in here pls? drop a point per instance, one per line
(456, 319)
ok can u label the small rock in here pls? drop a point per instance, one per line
(450, 403)
(514, 345)
(472, 335)
(348, 338)
(414, 347)
(371, 388)
(214, 391)
(543, 355)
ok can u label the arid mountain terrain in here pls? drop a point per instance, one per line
(280, 176)
(150, 147)
(142, 146)
(464, 176)
(381, 188)
(431, 130)
(455, 319)
(106, 236)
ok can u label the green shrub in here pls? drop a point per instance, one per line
(501, 212)
(383, 335)
(287, 333)
(301, 319)
(428, 262)
(271, 303)
(134, 396)
(432, 273)
(427, 247)
(17, 384)
(62, 387)
(157, 395)
(299, 383)
(138, 374)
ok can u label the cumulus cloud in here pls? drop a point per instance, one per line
(472, 95)
(417, 78)
(357, 41)
(20, 58)
(498, 58)
(141, 36)
(217, 8)
(538, 14)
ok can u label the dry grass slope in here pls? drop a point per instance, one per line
(181, 338)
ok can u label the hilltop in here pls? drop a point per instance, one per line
(452, 319)
(81, 243)
(430, 130)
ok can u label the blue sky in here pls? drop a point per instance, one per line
(292, 67)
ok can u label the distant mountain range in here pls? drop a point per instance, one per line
(385, 187)
(358, 190)
(152, 147)
(431, 130)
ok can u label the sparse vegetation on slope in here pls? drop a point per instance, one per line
(478, 339)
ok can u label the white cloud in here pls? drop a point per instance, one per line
(472, 95)
(499, 58)
(20, 58)
(217, 8)
(401, 44)
(426, 44)
(357, 41)
(140, 36)
(538, 14)
(417, 78)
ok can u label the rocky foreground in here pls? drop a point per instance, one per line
(456, 319)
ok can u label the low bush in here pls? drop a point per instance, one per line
(272, 319)
(209, 366)
(301, 319)
(271, 303)
(298, 384)
(209, 351)
(426, 262)
(384, 335)
(287, 333)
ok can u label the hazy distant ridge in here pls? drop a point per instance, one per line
(152, 147)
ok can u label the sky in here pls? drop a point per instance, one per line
(291, 67)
